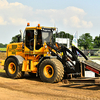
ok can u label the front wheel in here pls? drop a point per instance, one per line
(51, 70)
(13, 70)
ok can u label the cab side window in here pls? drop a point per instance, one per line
(39, 40)
(29, 41)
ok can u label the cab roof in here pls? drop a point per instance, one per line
(40, 28)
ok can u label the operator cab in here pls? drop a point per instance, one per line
(39, 35)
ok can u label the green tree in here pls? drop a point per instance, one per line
(15, 38)
(85, 41)
(97, 42)
(1, 45)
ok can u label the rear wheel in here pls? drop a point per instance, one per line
(51, 70)
(13, 70)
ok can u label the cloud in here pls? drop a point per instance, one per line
(14, 13)
(19, 14)
(75, 21)
(87, 24)
(2, 22)
(18, 21)
(14, 16)
(70, 16)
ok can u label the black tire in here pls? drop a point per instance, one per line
(13, 70)
(51, 70)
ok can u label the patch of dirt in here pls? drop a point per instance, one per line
(1, 67)
(3, 55)
(29, 88)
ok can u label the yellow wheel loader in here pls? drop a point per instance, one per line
(32, 54)
(37, 54)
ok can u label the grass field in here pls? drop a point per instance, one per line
(2, 49)
(95, 57)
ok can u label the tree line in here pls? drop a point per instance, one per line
(85, 41)
(3, 45)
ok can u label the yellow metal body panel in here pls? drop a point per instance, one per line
(29, 66)
(25, 66)
(33, 66)
(15, 49)
(39, 28)
(33, 28)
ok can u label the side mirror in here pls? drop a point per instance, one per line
(22, 36)
(35, 32)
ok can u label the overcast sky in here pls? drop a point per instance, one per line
(67, 15)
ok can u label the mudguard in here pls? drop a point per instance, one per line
(18, 58)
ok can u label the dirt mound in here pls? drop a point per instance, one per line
(3, 55)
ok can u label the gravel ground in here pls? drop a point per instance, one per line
(29, 88)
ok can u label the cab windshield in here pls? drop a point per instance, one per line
(47, 36)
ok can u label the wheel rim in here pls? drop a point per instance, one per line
(12, 68)
(48, 71)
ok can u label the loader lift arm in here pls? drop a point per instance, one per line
(69, 59)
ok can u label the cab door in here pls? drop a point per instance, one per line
(29, 41)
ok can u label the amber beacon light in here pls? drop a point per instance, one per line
(28, 24)
(38, 25)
